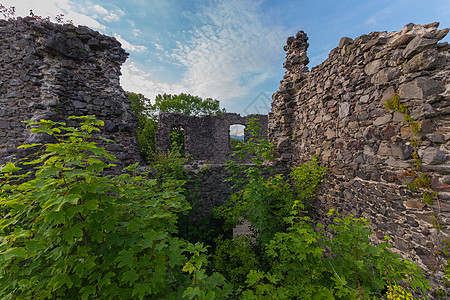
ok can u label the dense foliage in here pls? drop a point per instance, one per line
(186, 104)
(296, 259)
(67, 231)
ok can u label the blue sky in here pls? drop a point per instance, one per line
(228, 50)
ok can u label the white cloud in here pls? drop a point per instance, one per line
(114, 16)
(53, 8)
(128, 46)
(231, 53)
(158, 47)
(100, 9)
(134, 79)
(136, 32)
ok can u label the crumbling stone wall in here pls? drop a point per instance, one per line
(51, 71)
(207, 138)
(336, 111)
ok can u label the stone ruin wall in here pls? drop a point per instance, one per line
(207, 145)
(51, 71)
(336, 111)
(207, 138)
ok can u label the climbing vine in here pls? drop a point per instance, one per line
(419, 180)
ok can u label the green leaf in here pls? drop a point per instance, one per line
(191, 292)
(11, 253)
(106, 280)
(150, 237)
(9, 167)
(130, 276)
(72, 233)
(126, 258)
(140, 290)
(86, 291)
(59, 280)
(59, 202)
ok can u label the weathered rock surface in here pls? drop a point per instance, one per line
(336, 111)
(51, 71)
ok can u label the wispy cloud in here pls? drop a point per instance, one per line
(231, 52)
(100, 9)
(128, 46)
(107, 15)
(139, 81)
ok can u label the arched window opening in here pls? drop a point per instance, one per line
(236, 135)
(177, 140)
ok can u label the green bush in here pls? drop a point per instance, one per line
(67, 231)
(234, 258)
(355, 269)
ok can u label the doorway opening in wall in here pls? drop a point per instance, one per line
(177, 140)
(236, 135)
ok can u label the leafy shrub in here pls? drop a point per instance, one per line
(354, 270)
(68, 231)
(297, 269)
(262, 199)
(362, 269)
(234, 258)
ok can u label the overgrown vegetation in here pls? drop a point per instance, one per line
(419, 180)
(70, 232)
(297, 259)
(67, 231)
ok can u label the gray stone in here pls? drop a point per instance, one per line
(4, 124)
(433, 156)
(369, 151)
(344, 109)
(401, 150)
(420, 88)
(397, 163)
(384, 150)
(14, 82)
(78, 104)
(417, 45)
(364, 99)
(385, 76)
(440, 34)
(344, 41)
(402, 40)
(383, 120)
(374, 66)
(426, 60)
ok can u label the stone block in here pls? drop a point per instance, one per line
(433, 156)
(374, 66)
(383, 120)
(420, 88)
(426, 60)
(344, 109)
(401, 150)
(417, 45)
(384, 150)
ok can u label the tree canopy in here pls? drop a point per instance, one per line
(186, 104)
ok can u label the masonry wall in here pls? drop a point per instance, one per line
(207, 138)
(336, 111)
(52, 71)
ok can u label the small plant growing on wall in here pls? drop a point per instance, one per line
(419, 180)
